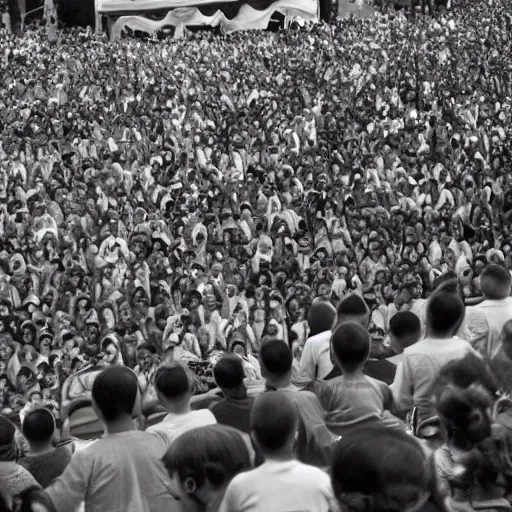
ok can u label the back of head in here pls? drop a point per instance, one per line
(276, 358)
(445, 280)
(351, 344)
(388, 470)
(173, 381)
(506, 334)
(405, 326)
(495, 282)
(445, 313)
(353, 308)
(274, 420)
(465, 372)
(115, 392)
(216, 452)
(229, 372)
(7, 443)
(321, 316)
(39, 425)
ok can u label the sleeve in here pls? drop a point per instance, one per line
(229, 502)
(402, 390)
(69, 490)
(307, 361)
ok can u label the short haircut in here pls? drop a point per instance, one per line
(352, 307)
(274, 418)
(277, 357)
(229, 372)
(115, 391)
(506, 332)
(405, 323)
(351, 344)
(443, 279)
(495, 282)
(38, 425)
(173, 381)
(389, 470)
(215, 452)
(445, 313)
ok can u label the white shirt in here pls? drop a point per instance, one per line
(277, 486)
(315, 361)
(173, 425)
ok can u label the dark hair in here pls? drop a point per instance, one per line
(405, 323)
(229, 372)
(115, 391)
(173, 381)
(277, 357)
(443, 279)
(351, 344)
(321, 316)
(465, 372)
(274, 418)
(388, 470)
(445, 313)
(215, 452)
(39, 425)
(352, 305)
(495, 282)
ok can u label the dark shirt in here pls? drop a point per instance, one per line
(47, 466)
(234, 413)
(377, 369)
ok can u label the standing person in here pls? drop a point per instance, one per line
(123, 470)
(495, 285)
(44, 461)
(416, 374)
(234, 409)
(174, 387)
(205, 459)
(281, 482)
(501, 363)
(404, 331)
(314, 443)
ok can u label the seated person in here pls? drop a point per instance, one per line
(43, 460)
(404, 331)
(354, 399)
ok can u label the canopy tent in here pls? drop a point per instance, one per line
(229, 15)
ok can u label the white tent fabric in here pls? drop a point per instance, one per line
(188, 14)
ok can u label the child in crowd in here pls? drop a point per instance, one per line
(235, 408)
(205, 459)
(282, 482)
(174, 387)
(314, 441)
(123, 470)
(354, 399)
(404, 331)
(43, 460)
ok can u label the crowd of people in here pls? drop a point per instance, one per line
(188, 203)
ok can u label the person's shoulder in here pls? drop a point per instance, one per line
(311, 473)
(319, 338)
(205, 415)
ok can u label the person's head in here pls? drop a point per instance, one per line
(229, 375)
(205, 459)
(115, 394)
(495, 282)
(39, 427)
(506, 338)
(321, 316)
(404, 330)
(468, 371)
(274, 423)
(353, 308)
(351, 344)
(445, 313)
(174, 386)
(276, 361)
(387, 470)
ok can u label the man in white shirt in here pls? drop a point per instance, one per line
(495, 285)
(123, 471)
(281, 483)
(174, 388)
(416, 374)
